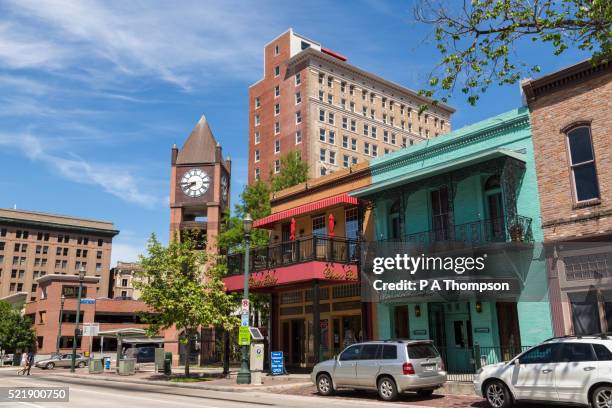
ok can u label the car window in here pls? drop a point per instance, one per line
(351, 353)
(389, 352)
(543, 354)
(575, 352)
(369, 352)
(603, 353)
(66, 356)
(422, 350)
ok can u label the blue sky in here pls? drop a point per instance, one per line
(94, 93)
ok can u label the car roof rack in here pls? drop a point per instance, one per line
(603, 335)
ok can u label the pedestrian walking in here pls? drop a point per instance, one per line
(29, 362)
(24, 363)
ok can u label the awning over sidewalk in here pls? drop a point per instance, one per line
(436, 169)
(270, 220)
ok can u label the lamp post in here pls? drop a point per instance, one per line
(59, 330)
(78, 316)
(244, 375)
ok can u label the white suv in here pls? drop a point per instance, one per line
(564, 369)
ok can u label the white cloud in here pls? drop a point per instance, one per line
(125, 252)
(116, 179)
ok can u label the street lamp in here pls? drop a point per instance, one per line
(59, 330)
(78, 316)
(244, 375)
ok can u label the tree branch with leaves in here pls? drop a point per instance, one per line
(478, 39)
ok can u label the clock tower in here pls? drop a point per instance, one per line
(199, 186)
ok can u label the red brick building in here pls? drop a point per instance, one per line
(571, 123)
(311, 100)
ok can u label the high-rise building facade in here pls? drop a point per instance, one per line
(334, 114)
(34, 244)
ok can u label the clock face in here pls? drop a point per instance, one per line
(224, 188)
(195, 183)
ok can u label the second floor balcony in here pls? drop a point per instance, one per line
(314, 248)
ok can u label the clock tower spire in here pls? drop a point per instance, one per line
(199, 186)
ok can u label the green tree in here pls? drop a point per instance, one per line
(184, 289)
(477, 38)
(292, 171)
(16, 332)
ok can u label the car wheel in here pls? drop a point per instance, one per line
(602, 397)
(387, 390)
(81, 364)
(425, 393)
(325, 385)
(50, 366)
(497, 395)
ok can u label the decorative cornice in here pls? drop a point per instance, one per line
(404, 157)
(58, 227)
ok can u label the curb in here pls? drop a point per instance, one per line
(205, 387)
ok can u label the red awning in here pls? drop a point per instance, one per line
(270, 220)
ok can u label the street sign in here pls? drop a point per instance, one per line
(86, 301)
(245, 306)
(244, 336)
(244, 320)
(277, 363)
(91, 329)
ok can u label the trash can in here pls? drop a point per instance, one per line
(127, 366)
(107, 363)
(168, 363)
(96, 365)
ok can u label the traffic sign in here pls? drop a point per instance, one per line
(244, 320)
(244, 336)
(277, 363)
(91, 329)
(245, 306)
(86, 301)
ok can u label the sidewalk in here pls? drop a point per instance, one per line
(212, 379)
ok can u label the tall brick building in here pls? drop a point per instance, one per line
(336, 115)
(571, 115)
(34, 244)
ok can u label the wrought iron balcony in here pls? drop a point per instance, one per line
(304, 249)
(475, 233)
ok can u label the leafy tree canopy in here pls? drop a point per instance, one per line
(292, 171)
(16, 332)
(477, 38)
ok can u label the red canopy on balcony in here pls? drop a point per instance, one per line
(270, 220)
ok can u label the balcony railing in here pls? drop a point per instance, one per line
(475, 233)
(304, 249)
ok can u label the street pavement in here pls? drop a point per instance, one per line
(85, 393)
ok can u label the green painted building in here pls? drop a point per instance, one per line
(475, 189)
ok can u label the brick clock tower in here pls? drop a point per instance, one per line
(199, 186)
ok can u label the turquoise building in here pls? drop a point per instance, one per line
(473, 188)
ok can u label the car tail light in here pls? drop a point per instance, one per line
(408, 369)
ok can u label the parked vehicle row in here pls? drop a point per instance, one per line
(61, 360)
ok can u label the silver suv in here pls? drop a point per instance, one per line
(390, 367)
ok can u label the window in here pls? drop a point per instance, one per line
(39, 236)
(364, 111)
(354, 144)
(422, 350)
(365, 129)
(366, 148)
(393, 138)
(298, 79)
(351, 353)
(298, 98)
(345, 141)
(322, 154)
(257, 120)
(321, 96)
(369, 352)
(543, 354)
(389, 352)
(330, 118)
(386, 136)
(374, 132)
(3, 232)
(372, 113)
(330, 99)
(332, 157)
(343, 86)
(332, 137)
(321, 115)
(352, 106)
(100, 242)
(345, 160)
(98, 267)
(602, 352)
(321, 77)
(322, 136)
(354, 159)
(576, 352)
(277, 166)
(277, 146)
(257, 102)
(277, 91)
(330, 81)
(343, 103)
(276, 71)
(276, 128)
(322, 171)
(374, 150)
(257, 137)
(257, 173)
(585, 313)
(256, 155)
(277, 109)
(582, 163)
(2, 246)
(351, 89)
(298, 117)
(98, 254)
(298, 136)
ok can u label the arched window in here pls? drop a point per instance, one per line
(492, 183)
(582, 163)
(395, 230)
